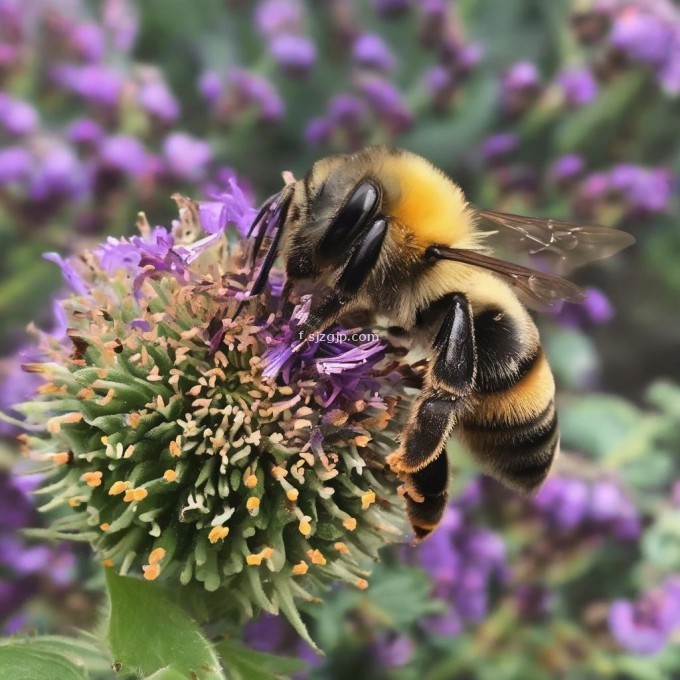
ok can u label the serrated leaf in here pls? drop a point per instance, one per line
(148, 632)
(242, 663)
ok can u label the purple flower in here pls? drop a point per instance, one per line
(393, 651)
(17, 116)
(595, 309)
(438, 80)
(210, 86)
(318, 131)
(579, 86)
(273, 17)
(58, 173)
(566, 168)
(96, 82)
(253, 90)
(564, 500)
(88, 41)
(346, 110)
(644, 627)
(186, 157)
(125, 154)
(232, 206)
(648, 190)
(71, 276)
(371, 51)
(15, 165)
(499, 145)
(519, 87)
(389, 8)
(84, 131)
(120, 22)
(293, 53)
(156, 98)
(387, 102)
(642, 37)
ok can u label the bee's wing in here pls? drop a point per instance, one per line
(543, 288)
(571, 245)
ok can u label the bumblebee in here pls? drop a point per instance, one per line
(385, 232)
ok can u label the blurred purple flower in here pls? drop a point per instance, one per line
(232, 206)
(642, 36)
(371, 51)
(121, 23)
(210, 86)
(98, 83)
(388, 8)
(88, 41)
(156, 98)
(579, 86)
(186, 157)
(564, 501)
(566, 168)
(84, 131)
(254, 90)
(644, 627)
(387, 101)
(125, 154)
(520, 85)
(17, 116)
(293, 53)
(273, 17)
(57, 174)
(438, 79)
(318, 131)
(595, 309)
(71, 276)
(499, 145)
(393, 651)
(15, 164)
(648, 190)
(346, 110)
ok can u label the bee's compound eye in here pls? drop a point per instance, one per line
(350, 220)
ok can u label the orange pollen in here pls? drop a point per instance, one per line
(316, 557)
(367, 500)
(253, 503)
(253, 560)
(92, 478)
(341, 548)
(301, 568)
(156, 555)
(251, 481)
(74, 502)
(305, 528)
(362, 440)
(151, 571)
(118, 487)
(169, 475)
(134, 420)
(361, 583)
(105, 526)
(174, 449)
(107, 563)
(61, 458)
(279, 472)
(54, 424)
(350, 523)
(135, 495)
(218, 533)
(292, 495)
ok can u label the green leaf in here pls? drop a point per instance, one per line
(148, 632)
(28, 659)
(242, 663)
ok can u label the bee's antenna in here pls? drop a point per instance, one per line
(261, 223)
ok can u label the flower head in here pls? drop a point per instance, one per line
(191, 446)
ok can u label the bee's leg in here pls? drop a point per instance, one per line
(426, 495)
(448, 384)
(326, 309)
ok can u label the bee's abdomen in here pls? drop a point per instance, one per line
(512, 428)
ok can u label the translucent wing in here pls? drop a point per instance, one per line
(544, 289)
(566, 244)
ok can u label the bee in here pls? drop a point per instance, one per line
(385, 232)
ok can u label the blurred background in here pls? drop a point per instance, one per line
(567, 108)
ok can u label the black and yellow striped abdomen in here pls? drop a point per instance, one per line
(512, 427)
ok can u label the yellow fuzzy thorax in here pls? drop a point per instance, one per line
(426, 202)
